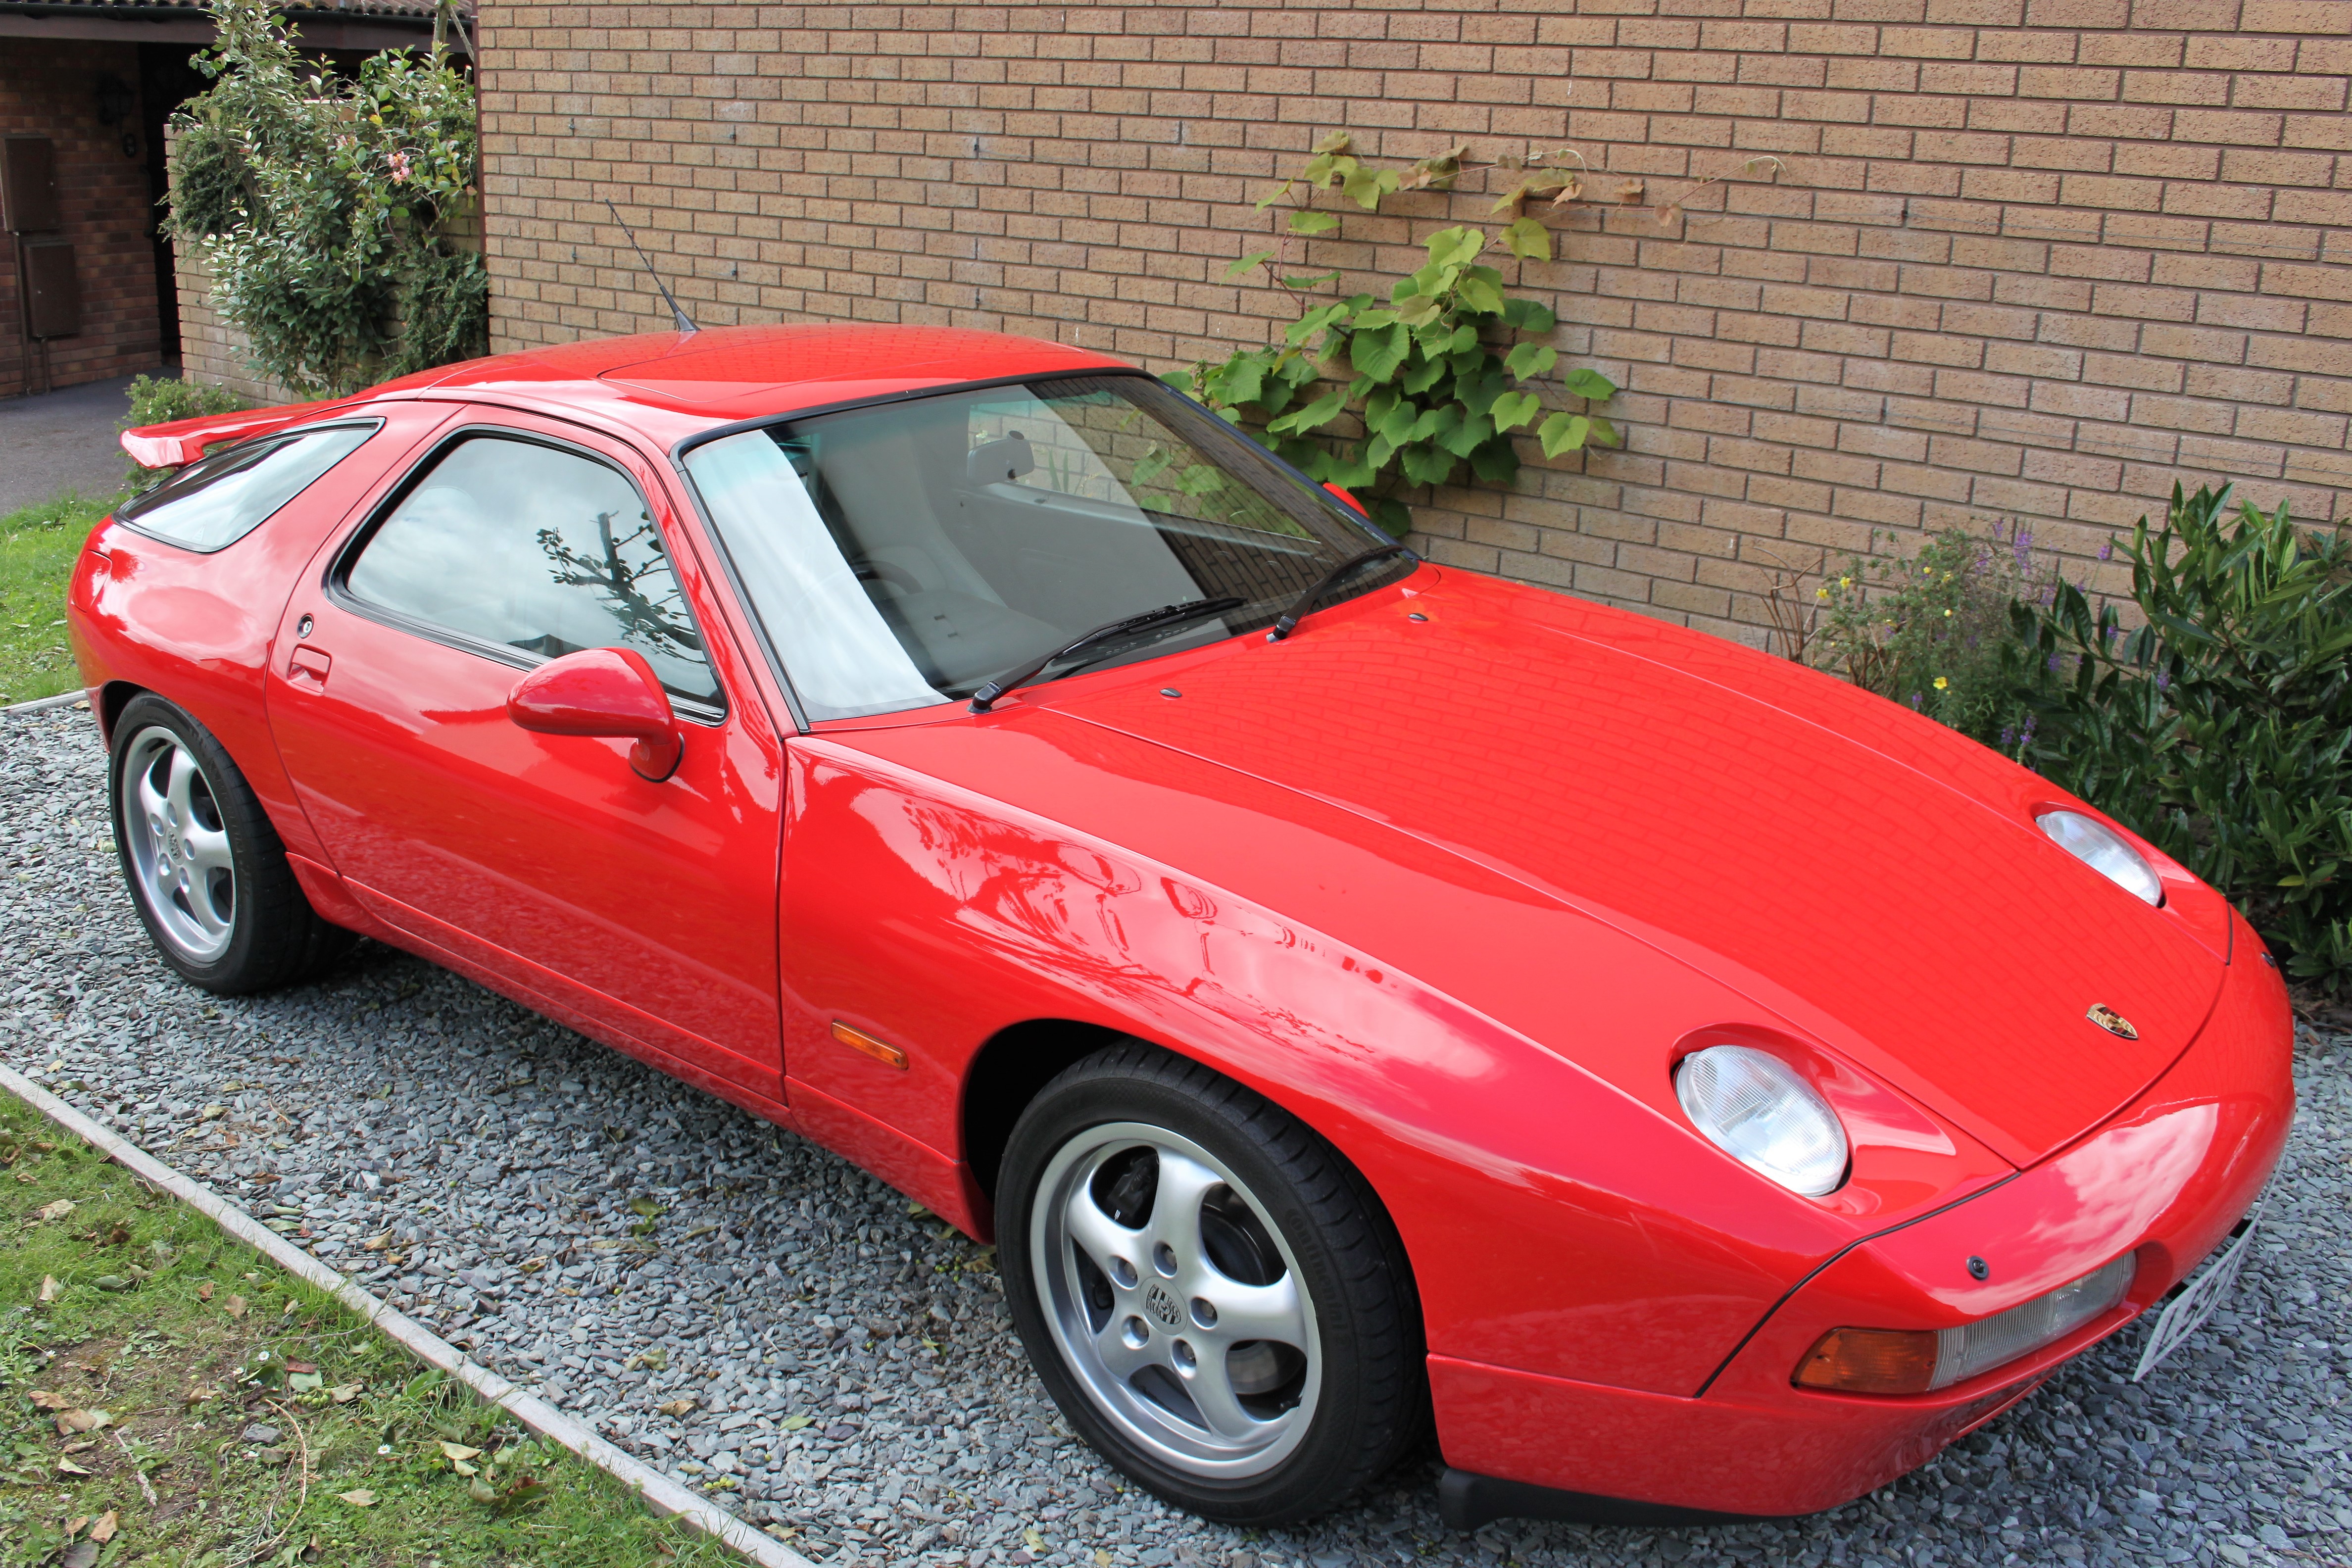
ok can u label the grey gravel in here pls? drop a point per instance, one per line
(625, 1242)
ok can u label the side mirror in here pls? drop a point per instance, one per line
(609, 691)
(1348, 499)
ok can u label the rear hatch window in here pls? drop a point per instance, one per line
(214, 502)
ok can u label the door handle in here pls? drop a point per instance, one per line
(308, 667)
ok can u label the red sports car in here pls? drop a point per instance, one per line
(1356, 992)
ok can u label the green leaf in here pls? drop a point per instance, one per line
(1604, 433)
(1305, 221)
(1379, 354)
(1255, 259)
(1586, 382)
(1528, 316)
(1513, 409)
(1468, 436)
(1496, 462)
(1367, 186)
(1528, 361)
(1373, 320)
(1422, 375)
(1529, 239)
(1428, 465)
(1315, 415)
(1481, 296)
(1310, 281)
(1246, 379)
(1394, 516)
(1454, 246)
(1180, 380)
(1563, 433)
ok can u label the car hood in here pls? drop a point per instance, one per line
(1865, 874)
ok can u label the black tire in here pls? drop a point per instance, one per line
(267, 935)
(1333, 1239)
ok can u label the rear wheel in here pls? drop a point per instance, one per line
(206, 869)
(1208, 1292)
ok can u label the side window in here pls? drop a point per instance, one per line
(534, 548)
(218, 499)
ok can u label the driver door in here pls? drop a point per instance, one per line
(645, 913)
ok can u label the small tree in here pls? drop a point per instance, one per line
(324, 203)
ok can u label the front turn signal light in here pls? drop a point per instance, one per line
(1871, 1360)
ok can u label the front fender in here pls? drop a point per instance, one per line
(1554, 1223)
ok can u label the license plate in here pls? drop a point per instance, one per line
(2187, 1312)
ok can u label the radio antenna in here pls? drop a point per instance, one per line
(683, 323)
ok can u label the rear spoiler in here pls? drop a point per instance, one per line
(183, 441)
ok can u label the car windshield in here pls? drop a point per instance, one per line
(903, 554)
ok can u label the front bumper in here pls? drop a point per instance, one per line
(2164, 1180)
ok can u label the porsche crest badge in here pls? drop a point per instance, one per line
(2112, 1022)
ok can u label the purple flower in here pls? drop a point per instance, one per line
(2107, 551)
(2008, 736)
(2023, 548)
(1914, 702)
(2162, 681)
(2027, 738)
(2053, 670)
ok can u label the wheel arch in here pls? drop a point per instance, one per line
(113, 697)
(1007, 1072)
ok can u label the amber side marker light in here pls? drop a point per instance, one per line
(888, 1056)
(1871, 1360)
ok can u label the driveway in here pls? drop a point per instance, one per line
(758, 1317)
(57, 441)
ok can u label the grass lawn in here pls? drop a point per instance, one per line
(37, 547)
(169, 1396)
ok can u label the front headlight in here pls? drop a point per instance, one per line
(1756, 1109)
(2103, 850)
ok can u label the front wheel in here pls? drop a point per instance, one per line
(1212, 1294)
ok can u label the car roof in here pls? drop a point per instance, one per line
(671, 385)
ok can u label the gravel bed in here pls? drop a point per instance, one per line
(759, 1319)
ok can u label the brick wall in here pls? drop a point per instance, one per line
(2030, 258)
(213, 352)
(49, 87)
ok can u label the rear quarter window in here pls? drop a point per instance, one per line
(218, 499)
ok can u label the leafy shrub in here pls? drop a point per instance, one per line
(2218, 728)
(1931, 629)
(323, 204)
(159, 402)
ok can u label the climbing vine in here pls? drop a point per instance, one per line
(1444, 371)
(325, 205)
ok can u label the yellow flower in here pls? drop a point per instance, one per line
(1941, 683)
(1845, 581)
(1948, 615)
(1821, 593)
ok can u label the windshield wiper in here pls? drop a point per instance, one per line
(1167, 615)
(1287, 622)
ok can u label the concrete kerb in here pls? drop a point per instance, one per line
(42, 704)
(660, 1493)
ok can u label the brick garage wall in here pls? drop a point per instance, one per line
(2029, 258)
(49, 87)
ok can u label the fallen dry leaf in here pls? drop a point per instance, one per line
(677, 1408)
(68, 1468)
(362, 1497)
(44, 1400)
(50, 1289)
(103, 1530)
(205, 1292)
(234, 1306)
(199, 1394)
(72, 1421)
(376, 1243)
(344, 1393)
(289, 1313)
(459, 1452)
(1630, 191)
(54, 1211)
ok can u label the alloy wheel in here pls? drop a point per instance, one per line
(182, 863)
(1179, 1308)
